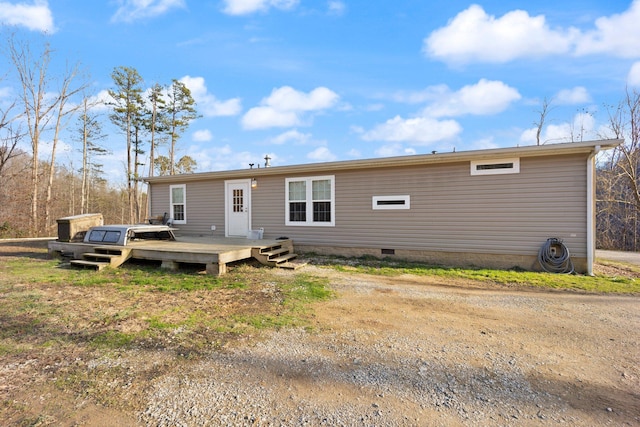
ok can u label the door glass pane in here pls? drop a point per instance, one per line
(238, 200)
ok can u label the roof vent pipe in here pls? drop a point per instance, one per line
(267, 161)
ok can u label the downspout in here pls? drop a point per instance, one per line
(591, 209)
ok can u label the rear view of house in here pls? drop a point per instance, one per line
(492, 208)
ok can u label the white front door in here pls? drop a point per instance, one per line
(237, 208)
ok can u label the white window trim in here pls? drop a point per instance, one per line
(514, 160)
(309, 200)
(184, 194)
(375, 202)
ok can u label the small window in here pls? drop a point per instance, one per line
(310, 201)
(495, 167)
(391, 202)
(178, 194)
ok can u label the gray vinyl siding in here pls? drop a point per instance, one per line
(204, 206)
(451, 210)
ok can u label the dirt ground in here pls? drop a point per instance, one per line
(386, 351)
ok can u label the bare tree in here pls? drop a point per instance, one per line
(9, 137)
(618, 184)
(32, 72)
(89, 132)
(543, 112)
(66, 92)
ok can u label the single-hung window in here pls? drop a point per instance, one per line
(178, 203)
(310, 201)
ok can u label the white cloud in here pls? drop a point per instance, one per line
(286, 107)
(484, 144)
(576, 95)
(582, 128)
(336, 7)
(245, 7)
(217, 158)
(321, 154)
(35, 17)
(266, 117)
(208, 104)
(392, 150)
(132, 10)
(203, 135)
(291, 136)
(483, 98)
(617, 35)
(419, 130)
(633, 78)
(473, 35)
(100, 100)
(288, 99)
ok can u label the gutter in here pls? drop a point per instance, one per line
(591, 209)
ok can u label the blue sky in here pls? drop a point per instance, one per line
(312, 81)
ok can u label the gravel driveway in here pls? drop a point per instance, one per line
(628, 257)
(409, 351)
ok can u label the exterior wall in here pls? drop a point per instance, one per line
(204, 207)
(469, 217)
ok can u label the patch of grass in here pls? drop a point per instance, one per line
(52, 306)
(262, 322)
(112, 340)
(517, 277)
(147, 279)
(305, 288)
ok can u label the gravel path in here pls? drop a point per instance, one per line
(404, 351)
(627, 257)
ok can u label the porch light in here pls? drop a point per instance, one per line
(254, 183)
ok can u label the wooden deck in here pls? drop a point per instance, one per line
(215, 254)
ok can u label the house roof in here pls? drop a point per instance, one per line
(585, 147)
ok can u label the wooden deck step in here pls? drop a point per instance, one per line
(271, 253)
(96, 265)
(283, 258)
(103, 256)
(94, 256)
(279, 255)
(293, 264)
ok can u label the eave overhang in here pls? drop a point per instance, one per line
(585, 147)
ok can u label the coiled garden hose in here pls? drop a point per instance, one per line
(554, 257)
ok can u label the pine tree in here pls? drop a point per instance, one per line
(127, 112)
(180, 110)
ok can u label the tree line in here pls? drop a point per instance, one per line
(37, 117)
(618, 180)
(36, 189)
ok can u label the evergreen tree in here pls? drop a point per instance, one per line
(155, 120)
(180, 111)
(127, 113)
